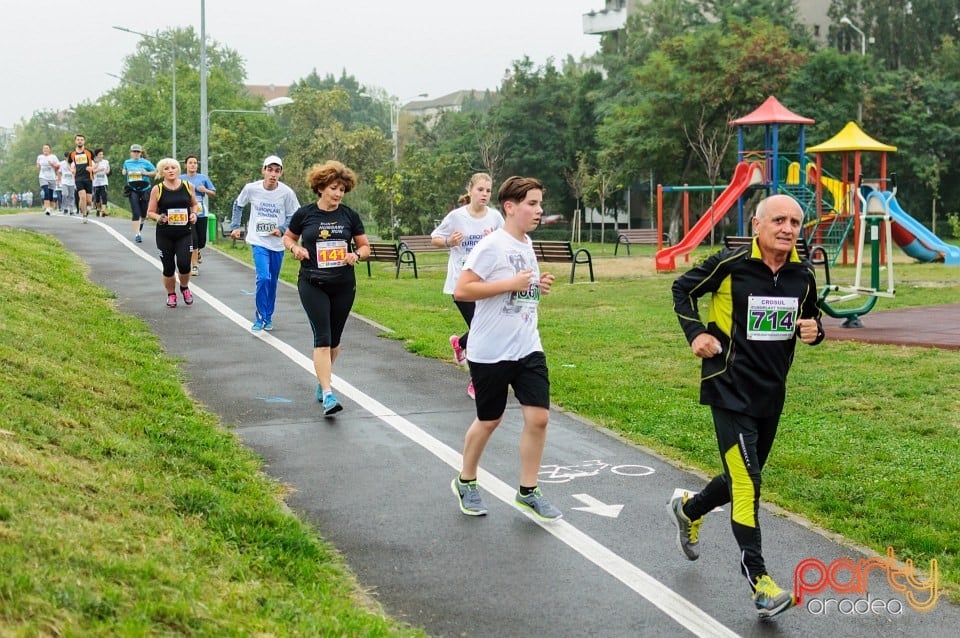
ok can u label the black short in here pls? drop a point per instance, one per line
(84, 185)
(100, 195)
(528, 376)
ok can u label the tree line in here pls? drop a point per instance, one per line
(651, 106)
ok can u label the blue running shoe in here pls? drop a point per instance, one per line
(257, 326)
(330, 405)
(268, 325)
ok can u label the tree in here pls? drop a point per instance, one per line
(18, 163)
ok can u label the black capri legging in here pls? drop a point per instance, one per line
(200, 233)
(327, 306)
(175, 252)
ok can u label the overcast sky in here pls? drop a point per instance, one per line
(59, 54)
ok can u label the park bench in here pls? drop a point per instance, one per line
(391, 252)
(629, 236)
(563, 252)
(224, 225)
(410, 245)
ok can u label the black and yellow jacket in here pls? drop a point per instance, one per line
(750, 375)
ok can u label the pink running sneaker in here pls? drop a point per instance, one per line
(187, 296)
(459, 354)
(471, 392)
(172, 300)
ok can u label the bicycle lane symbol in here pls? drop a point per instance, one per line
(567, 473)
(591, 505)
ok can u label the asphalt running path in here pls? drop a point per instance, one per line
(375, 479)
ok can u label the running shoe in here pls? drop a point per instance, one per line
(172, 300)
(688, 532)
(769, 599)
(257, 326)
(194, 271)
(470, 391)
(538, 505)
(47, 212)
(84, 219)
(459, 354)
(187, 296)
(468, 493)
(268, 325)
(138, 238)
(330, 405)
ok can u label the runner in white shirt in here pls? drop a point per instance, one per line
(502, 276)
(68, 187)
(101, 168)
(272, 204)
(460, 231)
(47, 164)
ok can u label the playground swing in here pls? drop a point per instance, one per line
(874, 212)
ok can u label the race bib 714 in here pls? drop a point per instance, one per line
(771, 318)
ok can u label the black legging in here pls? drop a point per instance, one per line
(466, 308)
(175, 252)
(327, 306)
(138, 203)
(745, 443)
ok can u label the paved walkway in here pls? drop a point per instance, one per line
(931, 327)
(375, 481)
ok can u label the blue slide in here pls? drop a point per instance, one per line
(915, 239)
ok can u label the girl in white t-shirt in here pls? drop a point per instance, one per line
(460, 231)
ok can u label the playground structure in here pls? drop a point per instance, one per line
(840, 212)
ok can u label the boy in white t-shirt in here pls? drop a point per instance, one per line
(502, 276)
(272, 204)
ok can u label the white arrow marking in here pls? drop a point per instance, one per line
(595, 506)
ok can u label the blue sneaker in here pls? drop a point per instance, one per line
(268, 325)
(330, 405)
(139, 239)
(257, 326)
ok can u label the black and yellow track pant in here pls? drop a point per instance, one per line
(745, 442)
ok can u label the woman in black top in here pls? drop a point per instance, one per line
(174, 207)
(327, 282)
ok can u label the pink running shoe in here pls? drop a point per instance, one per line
(459, 354)
(471, 392)
(172, 300)
(187, 296)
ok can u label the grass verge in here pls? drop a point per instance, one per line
(125, 509)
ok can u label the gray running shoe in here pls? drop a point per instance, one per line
(769, 599)
(688, 532)
(468, 493)
(538, 505)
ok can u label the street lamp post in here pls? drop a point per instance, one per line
(173, 99)
(395, 109)
(863, 52)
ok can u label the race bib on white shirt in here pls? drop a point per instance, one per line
(771, 318)
(265, 227)
(178, 216)
(331, 254)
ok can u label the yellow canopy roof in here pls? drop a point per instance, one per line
(851, 138)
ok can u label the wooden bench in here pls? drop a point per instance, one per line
(629, 236)
(391, 252)
(563, 252)
(224, 225)
(410, 245)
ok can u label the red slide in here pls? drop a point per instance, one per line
(744, 175)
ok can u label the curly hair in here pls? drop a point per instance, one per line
(165, 162)
(322, 175)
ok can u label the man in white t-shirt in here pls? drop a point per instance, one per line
(502, 276)
(101, 168)
(272, 204)
(47, 164)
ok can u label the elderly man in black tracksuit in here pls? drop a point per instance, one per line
(763, 298)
